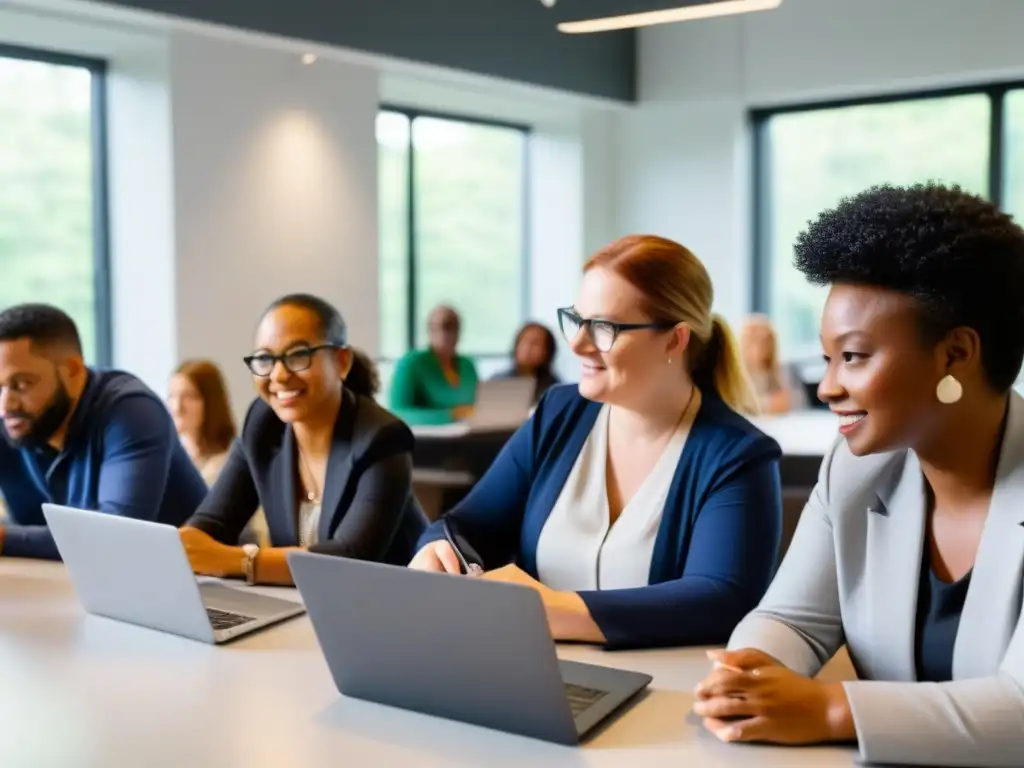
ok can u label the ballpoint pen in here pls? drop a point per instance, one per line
(471, 569)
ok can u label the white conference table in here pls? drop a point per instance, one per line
(87, 692)
(801, 433)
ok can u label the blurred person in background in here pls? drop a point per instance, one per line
(199, 404)
(198, 401)
(435, 385)
(533, 355)
(772, 383)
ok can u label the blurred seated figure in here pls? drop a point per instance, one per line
(773, 384)
(198, 402)
(533, 355)
(435, 385)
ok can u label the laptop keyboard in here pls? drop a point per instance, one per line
(582, 698)
(224, 620)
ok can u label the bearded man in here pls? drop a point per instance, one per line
(97, 440)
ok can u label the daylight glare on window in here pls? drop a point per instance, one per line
(468, 229)
(47, 180)
(1014, 174)
(814, 158)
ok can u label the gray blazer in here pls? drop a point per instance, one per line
(851, 575)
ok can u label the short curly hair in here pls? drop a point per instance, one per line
(956, 253)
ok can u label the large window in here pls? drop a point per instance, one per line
(452, 229)
(1013, 201)
(52, 194)
(808, 158)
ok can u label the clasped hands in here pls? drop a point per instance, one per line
(749, 696)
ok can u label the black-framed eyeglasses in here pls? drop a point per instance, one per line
(602, 332)
(294, 360)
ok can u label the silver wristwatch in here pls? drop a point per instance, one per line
(249, 553)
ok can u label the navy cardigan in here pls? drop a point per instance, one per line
(717, 543)
(121, 456)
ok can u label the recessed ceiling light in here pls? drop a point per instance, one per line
(309, 58)
(668, 16)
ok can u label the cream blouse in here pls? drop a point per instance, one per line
(578, 550)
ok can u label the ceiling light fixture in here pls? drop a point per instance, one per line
(308, 58)
(668, 16)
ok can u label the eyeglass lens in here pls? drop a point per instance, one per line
(601, 333)
(295, 361)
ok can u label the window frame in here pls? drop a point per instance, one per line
(760, 117)
(411, 113)
(97, 69)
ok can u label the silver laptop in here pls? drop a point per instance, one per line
(137, 571)
(502, 403)
(457, 647)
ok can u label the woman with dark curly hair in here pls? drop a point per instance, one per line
(911, 548)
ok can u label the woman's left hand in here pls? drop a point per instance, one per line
(746, 698)
(513, 574)
(568, 616)
(209, 557)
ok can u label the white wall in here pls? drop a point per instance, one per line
(275, 185)
(142, 212)
(556, 229)
(598, 165)
(236, 174)
(683, 156)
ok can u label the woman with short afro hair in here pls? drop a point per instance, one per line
(911, 548)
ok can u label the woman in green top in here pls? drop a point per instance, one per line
(436, 385)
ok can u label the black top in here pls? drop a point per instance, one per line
(939, 605)
(368, 510)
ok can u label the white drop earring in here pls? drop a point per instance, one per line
(670, 361)
(949, 390)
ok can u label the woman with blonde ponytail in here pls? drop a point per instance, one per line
(725, 371)
(640, 504)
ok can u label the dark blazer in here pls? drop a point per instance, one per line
(368, 508)
(718, 539)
